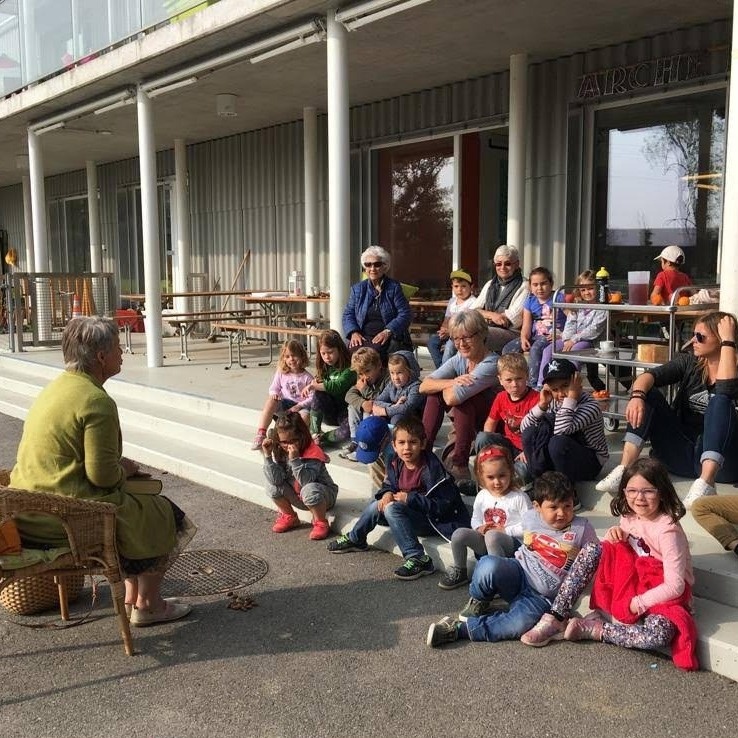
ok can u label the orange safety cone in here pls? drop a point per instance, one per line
(76, 309)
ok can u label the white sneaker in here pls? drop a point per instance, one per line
(611, 483)
(699, 488)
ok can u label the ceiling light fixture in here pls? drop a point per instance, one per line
(296, 44)
(103, 103)
(186, 82)
(225, 106)
(49, 128)
(362, 14)
(115, 105)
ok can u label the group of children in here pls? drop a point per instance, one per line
(535, 555)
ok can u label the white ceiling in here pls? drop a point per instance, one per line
(433, 44)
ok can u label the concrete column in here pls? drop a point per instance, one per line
(339, 201)
(456, 245)
(93, 213)
(516, 153)
(150, 229)
(38, 202)
(728, 268)
(310, 156)
(183, 250)
(28, 224)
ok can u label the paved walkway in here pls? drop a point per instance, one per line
(335, 648)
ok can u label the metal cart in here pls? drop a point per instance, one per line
(625, 327)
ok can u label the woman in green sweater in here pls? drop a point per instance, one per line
(71, 445)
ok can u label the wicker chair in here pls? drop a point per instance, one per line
(90, 527)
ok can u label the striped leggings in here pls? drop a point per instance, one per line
(653, 632)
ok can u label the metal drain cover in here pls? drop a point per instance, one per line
(199, 573)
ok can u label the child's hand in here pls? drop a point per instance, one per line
(400, 497)
(276, 397)
(568, 346)
(293, 451)
(615, 534)
(378, 411)
(386, 499)
(525, 344)
(401, 400)
(443, 332)
(545, 397)
(309, 389)
(267, 447)
(367, 406)
(361, 383)
(633, 607)
(521, 457)
(575, 386)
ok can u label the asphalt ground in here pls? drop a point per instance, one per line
(335, 647)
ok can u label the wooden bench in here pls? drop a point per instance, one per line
(236, 333)
(186, 322)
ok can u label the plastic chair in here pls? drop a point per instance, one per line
(90, 528)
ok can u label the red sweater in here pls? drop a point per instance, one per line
(622, 575)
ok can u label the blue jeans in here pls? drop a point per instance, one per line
(566, 454)
(680, 448)
(505, 577)
(406, 525)
(440, 349)
(535, 354)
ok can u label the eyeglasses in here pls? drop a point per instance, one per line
(648, 492)
(465, 339)
(586, 286)
(699, 337)
(373, 265)
(500, 264)
(289, 442)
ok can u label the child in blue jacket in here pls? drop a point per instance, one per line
(418, 498)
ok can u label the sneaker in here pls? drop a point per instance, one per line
(172, 611)
(588, 628)
(321, 530)
(547, 629)
(258, 439)
(444, 631)
(699, 488)
(459, 473)
(285, 522)
(349, 451)
(611, 483)
(343, 544)
(475, 609)
(454, 577)
(415, 567)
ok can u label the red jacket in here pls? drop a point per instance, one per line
(622, 575)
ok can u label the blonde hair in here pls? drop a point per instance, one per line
(512, 363)
(364, 359)
(586, 277)
(397, 360)
(295, 348)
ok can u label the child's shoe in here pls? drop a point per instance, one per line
(258, 439)
(588, 628)
(475, 609)
(444, 631)
(343, 544)
(349, 451)
(285, 522)
(415, 567)
(454, 577)
(547, 629)
(321, 530)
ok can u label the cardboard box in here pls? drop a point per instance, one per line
(653, 353)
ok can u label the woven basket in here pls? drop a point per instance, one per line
(35, 594)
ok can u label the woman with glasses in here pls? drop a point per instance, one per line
(463, 384)
(378, 313)
(697, 435)
(501, 300)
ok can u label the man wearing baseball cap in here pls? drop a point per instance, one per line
(670, 277)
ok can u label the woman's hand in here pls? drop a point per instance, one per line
(464, 380)
(635, 411)
(726, 328)
(130, 467)
(382, 337)
(615, 534)
(356, 339)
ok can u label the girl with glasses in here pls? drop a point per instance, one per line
(641, 575)
(378, 313)
(697, 435)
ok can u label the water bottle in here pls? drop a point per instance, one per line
(602, 278)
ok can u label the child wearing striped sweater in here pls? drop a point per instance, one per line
(565, 431)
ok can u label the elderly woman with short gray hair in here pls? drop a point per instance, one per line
(71, 445)
(378, 313)
(501, 300)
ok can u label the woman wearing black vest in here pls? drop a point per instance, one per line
(501, 300)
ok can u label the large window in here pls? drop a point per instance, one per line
(416, 211)
(658, 181)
